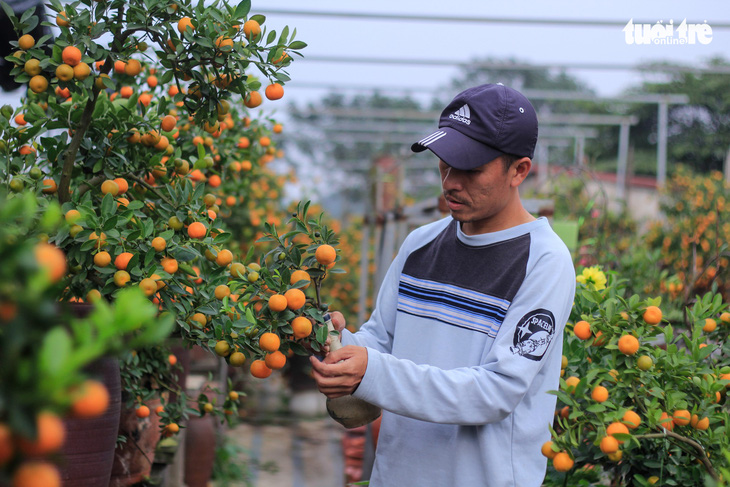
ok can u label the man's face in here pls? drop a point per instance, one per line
(477, 197)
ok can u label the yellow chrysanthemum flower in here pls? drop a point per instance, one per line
(593, 275)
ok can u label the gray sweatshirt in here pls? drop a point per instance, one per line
(463, 345)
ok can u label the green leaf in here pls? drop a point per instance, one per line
(592, 373)
(588, 296)
(37, 113)
(9, 12)
(610, 305)
(299, 349)
(108, 206)
(282, 77)
(166, 77)
(186, 268)
(322, 334)
(205, 42)
(149, 227)
(297, 45)
(110, 224)
(55, 350)
(149, 257)
(132, 309)
(108, 82)
(706, 351)
(185, 255)
(222, 238)
(102, 106)
(284, 35)
(156, 330)
(596, 408)
(26, 15)
(301, 227)
(243, 9)
(250, 316)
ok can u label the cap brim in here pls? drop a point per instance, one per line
(456, 149)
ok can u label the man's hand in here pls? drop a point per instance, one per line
(341, 371)
(338, 320)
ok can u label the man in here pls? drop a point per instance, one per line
(466, 337)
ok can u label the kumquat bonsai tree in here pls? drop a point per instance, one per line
(641, 399)
(145, 123)
(278, 319)
(43, 378)
(692, 240)
(270, 314)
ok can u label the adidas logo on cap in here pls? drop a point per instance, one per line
(431, 138)
(462, 115)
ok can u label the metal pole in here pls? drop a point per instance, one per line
(418, 17)
(364, 261)
(623, 157)
(580, 143)
(387, 246)
(378, 235)
(662, 143)
(368, 229)
(542, 163)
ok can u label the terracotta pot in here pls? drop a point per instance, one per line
(88, 452)
(200, 443)
(133, 459)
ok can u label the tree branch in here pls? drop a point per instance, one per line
(64, 193)
(99, 178)
(700, 451)
(142, 182)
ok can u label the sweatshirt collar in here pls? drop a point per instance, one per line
(492, 237)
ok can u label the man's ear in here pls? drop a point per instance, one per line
(520, 170)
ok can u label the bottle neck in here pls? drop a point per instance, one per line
(335, 343)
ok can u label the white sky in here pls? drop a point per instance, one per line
(462, 41)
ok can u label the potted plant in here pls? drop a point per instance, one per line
(277, 317)
(138, 122)
(43, 379)
(641, 399)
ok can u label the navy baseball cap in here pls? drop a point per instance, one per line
(482, 123)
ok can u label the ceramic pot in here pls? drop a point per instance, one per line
(200, 444)
(88, 452)
(133, 459)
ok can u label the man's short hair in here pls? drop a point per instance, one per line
(508, 160)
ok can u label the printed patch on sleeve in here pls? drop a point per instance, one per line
(533, 334)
